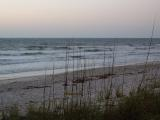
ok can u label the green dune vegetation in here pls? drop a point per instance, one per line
(143, 104)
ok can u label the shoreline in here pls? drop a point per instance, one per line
(36, 74)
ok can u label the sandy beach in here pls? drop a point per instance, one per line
(27, 90)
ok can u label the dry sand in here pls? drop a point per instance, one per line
(26, 90)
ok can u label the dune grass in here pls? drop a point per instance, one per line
(139, 105)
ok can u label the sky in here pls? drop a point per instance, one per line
(79, 18)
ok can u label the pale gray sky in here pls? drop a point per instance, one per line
(78, 18)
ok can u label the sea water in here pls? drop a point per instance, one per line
(33, 56)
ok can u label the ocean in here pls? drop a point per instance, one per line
(34, 56)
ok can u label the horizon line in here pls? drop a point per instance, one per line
(78, 37)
